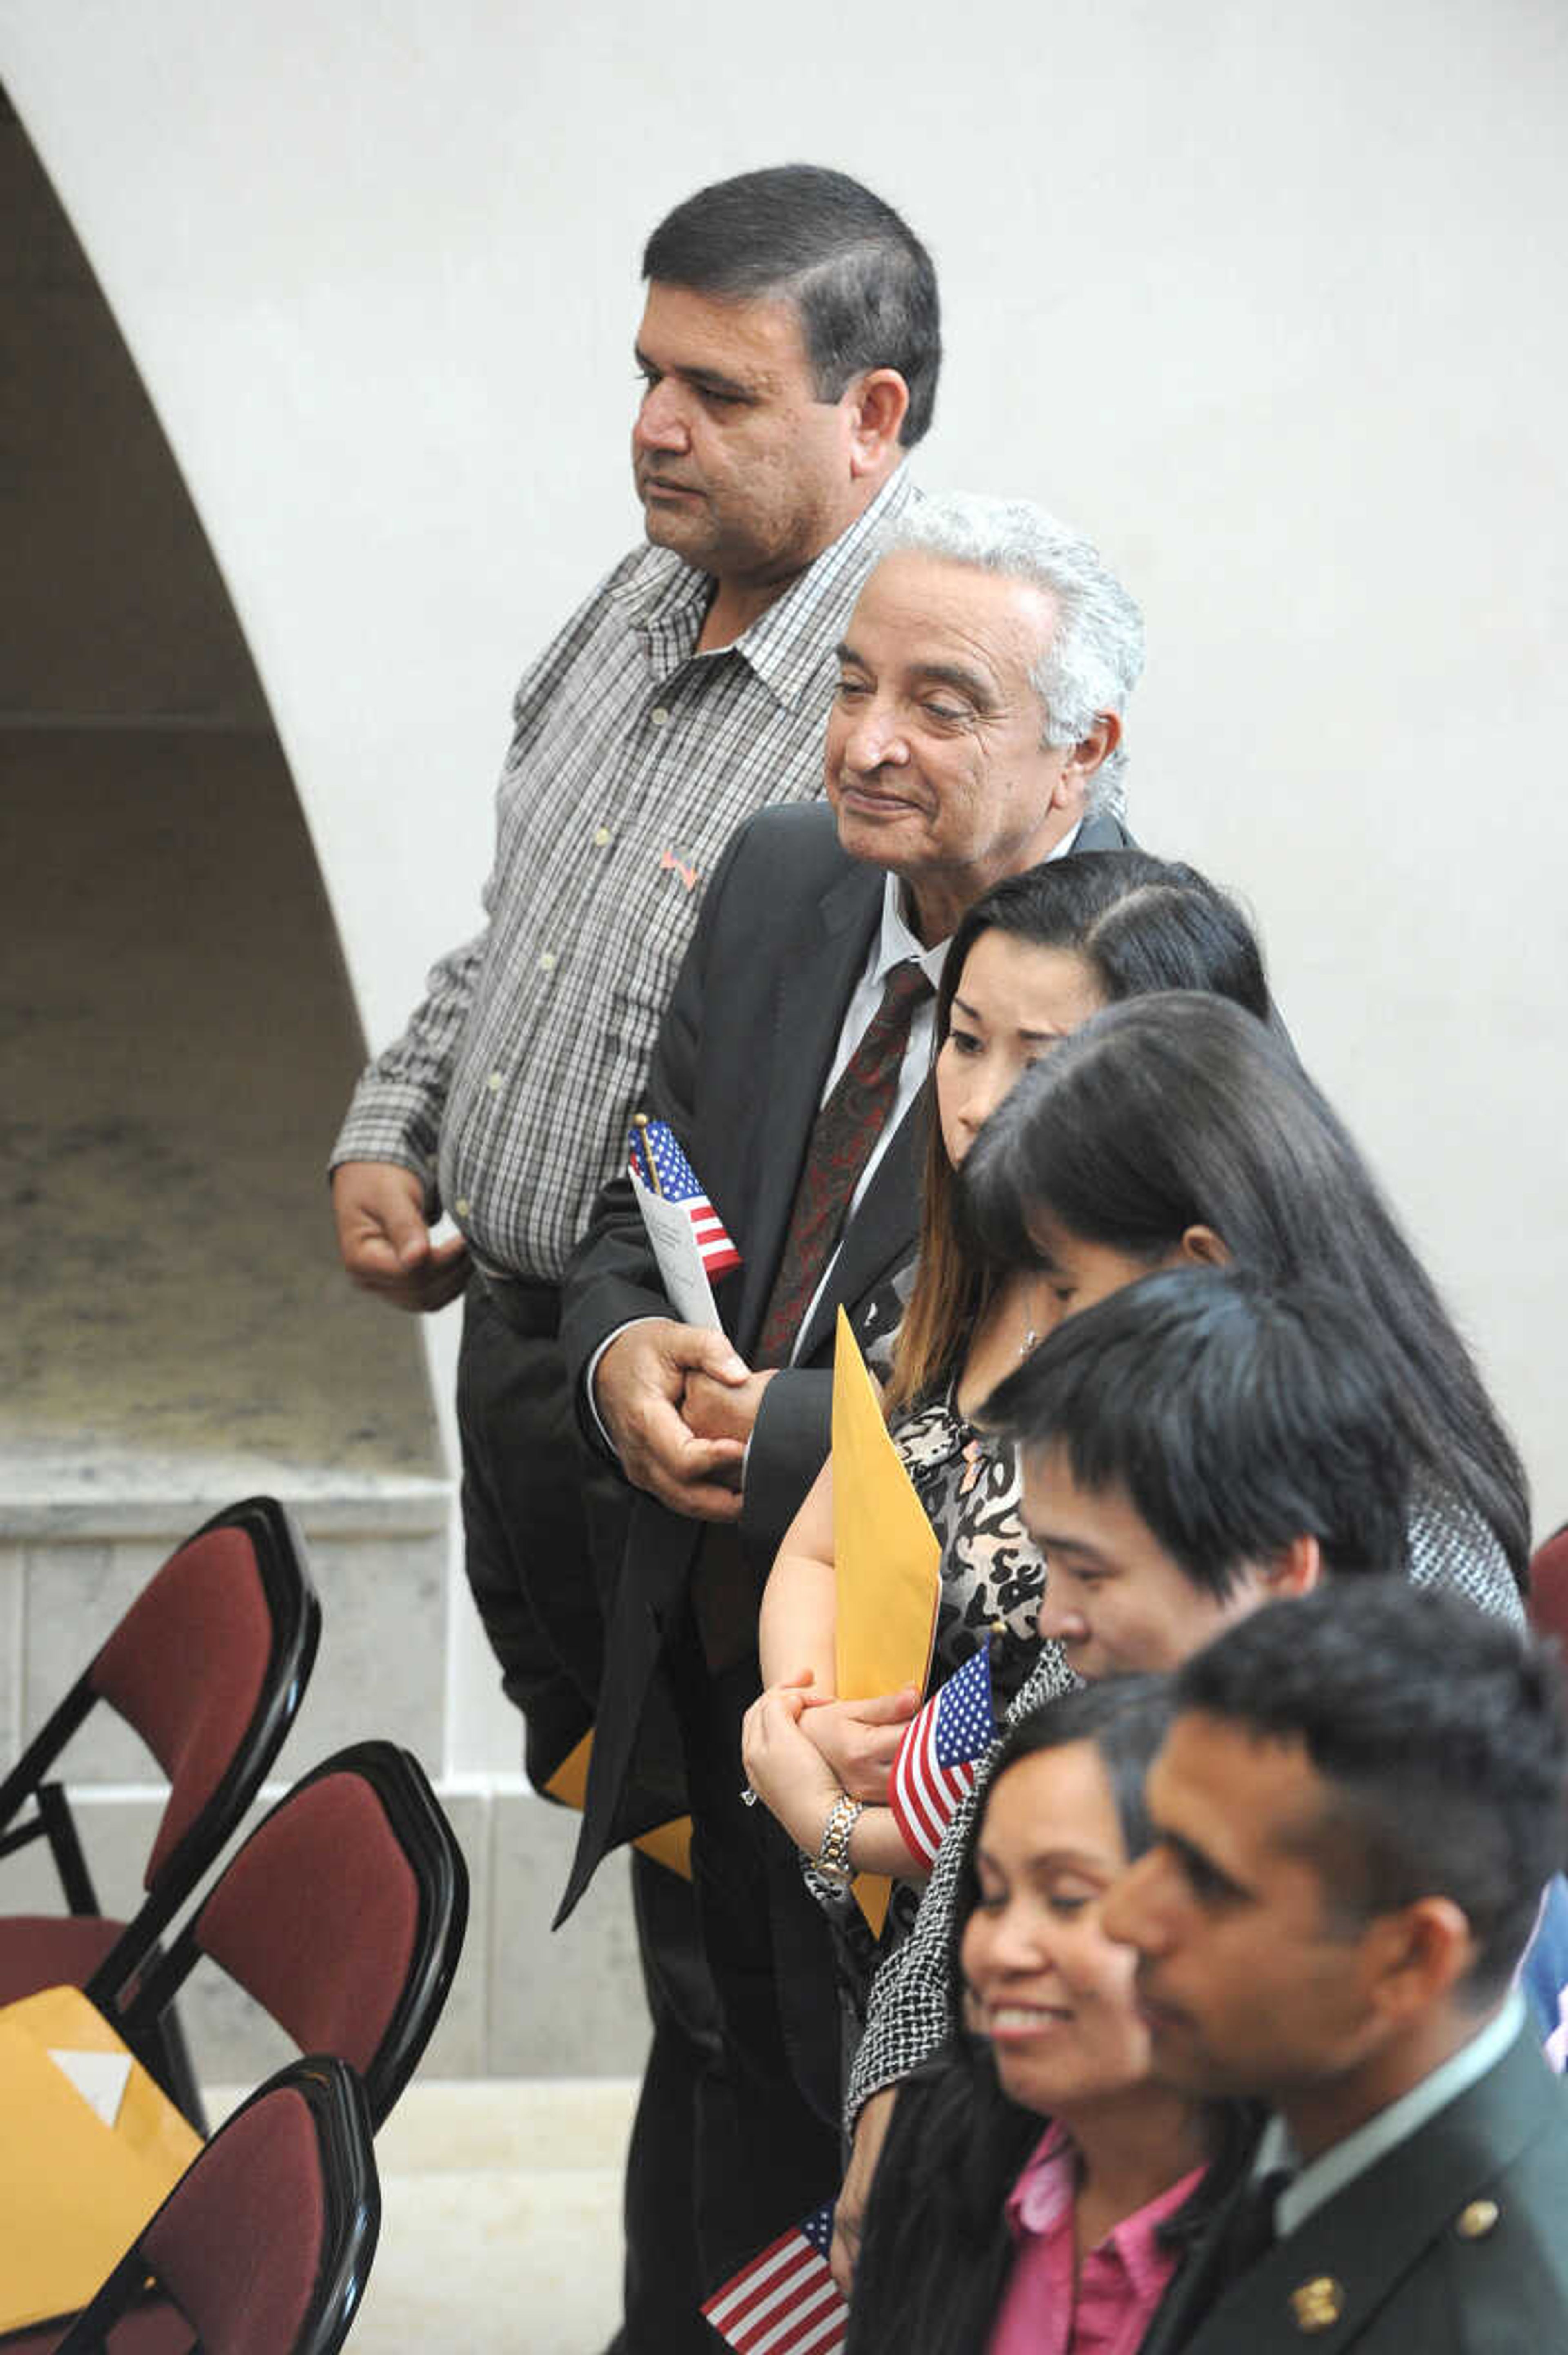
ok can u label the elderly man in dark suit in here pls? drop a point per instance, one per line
(976, 731)
(1354, 1813)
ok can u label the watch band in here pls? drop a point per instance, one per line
(832, 1858)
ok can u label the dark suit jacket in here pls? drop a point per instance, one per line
(1418, 2261)
(738, 1072)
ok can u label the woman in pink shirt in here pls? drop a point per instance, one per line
(982, 2232)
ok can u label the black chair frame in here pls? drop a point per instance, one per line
(296, 1622)
(352, 2217)
(295, 1615)
(412, 1810)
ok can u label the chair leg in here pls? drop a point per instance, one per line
(159, 2045)
(174, 2071)
(54, 1812)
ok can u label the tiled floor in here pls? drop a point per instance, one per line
(501, 2218)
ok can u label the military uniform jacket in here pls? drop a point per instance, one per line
(1454, 2243)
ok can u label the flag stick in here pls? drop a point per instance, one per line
(641, 1121)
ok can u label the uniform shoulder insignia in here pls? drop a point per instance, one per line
(1474, 2223)
(1317, 2304)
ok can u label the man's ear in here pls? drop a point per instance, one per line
(1415, 1958)
(878, 405)
(1202, 1248)
(1295, 1568)
(1091, 752)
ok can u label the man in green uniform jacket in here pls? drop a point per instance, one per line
(1355, 1812)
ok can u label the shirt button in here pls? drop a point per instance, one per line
(601, 836)
(494, 1083)
(547, 960)
(659, 715)
(462, 1206)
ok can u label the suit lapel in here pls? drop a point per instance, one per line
(1369, 2238)
(1197, 2287)
(812, 994)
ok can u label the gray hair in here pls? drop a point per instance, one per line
(1096, 651)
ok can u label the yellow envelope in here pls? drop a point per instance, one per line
(668, 1844)
(888, 1563)
(74, 2192)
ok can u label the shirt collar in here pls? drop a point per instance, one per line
(1316, 2184)
(666, 600)
(897, 942)
(1049, 2185)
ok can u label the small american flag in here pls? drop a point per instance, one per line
(785, 2301)
(677, 1182)
(935, 1765)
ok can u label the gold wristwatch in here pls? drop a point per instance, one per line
(832, 1858)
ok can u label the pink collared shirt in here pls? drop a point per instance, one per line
(1120, 2283)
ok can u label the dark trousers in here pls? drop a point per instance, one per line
(767, 2156)
(536, 1510)
(668, 2157)
(538, 1513)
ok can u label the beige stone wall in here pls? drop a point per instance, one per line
(177, 1040)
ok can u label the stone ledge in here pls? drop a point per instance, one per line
(157, 1500)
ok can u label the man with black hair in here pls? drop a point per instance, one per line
(789, 350)
(1196, 1444)
(1355, 1811)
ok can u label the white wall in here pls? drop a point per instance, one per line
(1267, 300)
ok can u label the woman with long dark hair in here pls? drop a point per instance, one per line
(1176, 1125)
(1130, 926)
(1032, 959)
(984, 2232)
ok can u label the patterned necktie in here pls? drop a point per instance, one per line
(845, 1129)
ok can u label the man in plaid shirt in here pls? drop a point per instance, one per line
(789, 348)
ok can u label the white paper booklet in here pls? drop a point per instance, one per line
(686, 1231)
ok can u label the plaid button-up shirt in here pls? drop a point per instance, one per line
(632, 758)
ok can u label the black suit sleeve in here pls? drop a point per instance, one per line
(790, 1445)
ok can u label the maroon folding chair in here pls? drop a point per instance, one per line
(208, 1667)
(342, 1914)
(264, 2244)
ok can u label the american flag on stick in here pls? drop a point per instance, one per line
(658, 1161)
(937, 1759)
(784, 2302)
